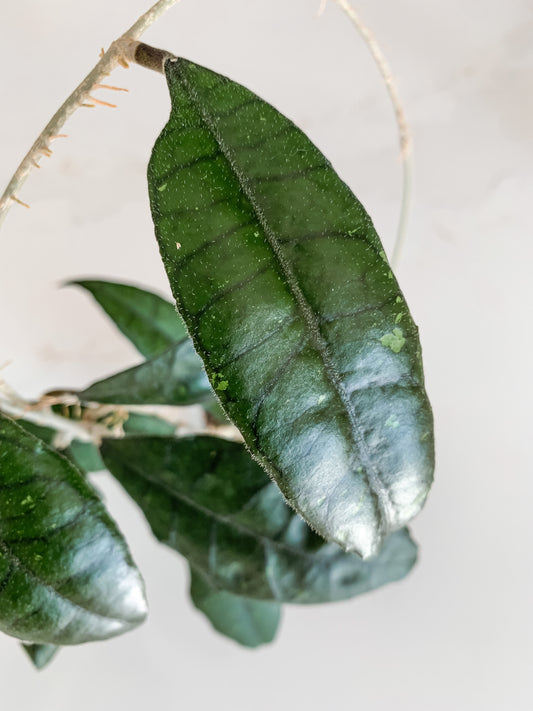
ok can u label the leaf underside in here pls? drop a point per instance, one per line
(66, 575)
(249, 622)
(206, 498)
(41, 654)
(287, 294)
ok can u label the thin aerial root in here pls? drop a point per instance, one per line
(34, 163)
(45, 151)
(112, 88)
(102, 103)
(58, 135)
(117, 54)
(401, 122)
(24, 204)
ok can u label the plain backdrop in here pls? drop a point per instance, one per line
(456, 635)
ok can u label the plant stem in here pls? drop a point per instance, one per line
(401, 122)
(150, 57)
(97, 421)
(117, 54)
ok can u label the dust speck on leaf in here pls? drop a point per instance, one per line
(394, 340)
(392, 422)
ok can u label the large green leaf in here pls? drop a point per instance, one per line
(207, 498)
(287, 294)
(66, 575)
(148, 321)
(249, 622)
(175, 377)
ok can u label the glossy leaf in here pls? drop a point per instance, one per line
(175, 377)
(249, 622)
(41, 654)
(290, 301)
(206, 498)
(66, 575)
(148, 321)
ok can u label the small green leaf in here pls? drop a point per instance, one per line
(85, 455)
(281, 281)
(66, 575)
(206, 498)
(41, 654)
(148, 321)
(139, 423)
(249, 622)
(175, 377)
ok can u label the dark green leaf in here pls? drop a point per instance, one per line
(66, 575)
(290, 301)
(148, 321)
(249, 622)
(175, 377)
(207, 498)
(41, 654)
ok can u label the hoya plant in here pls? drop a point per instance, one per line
(289, 331)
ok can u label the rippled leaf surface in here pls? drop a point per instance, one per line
(148, 321)
(66, 575)
(286, 291)
(249, 622)
(175, 377)
(206, 498)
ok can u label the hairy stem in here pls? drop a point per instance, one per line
(401, 121)
(118, 53)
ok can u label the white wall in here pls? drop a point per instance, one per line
(457, 634)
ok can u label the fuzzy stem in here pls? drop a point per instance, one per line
(118, 53)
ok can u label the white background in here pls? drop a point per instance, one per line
(457, 634)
